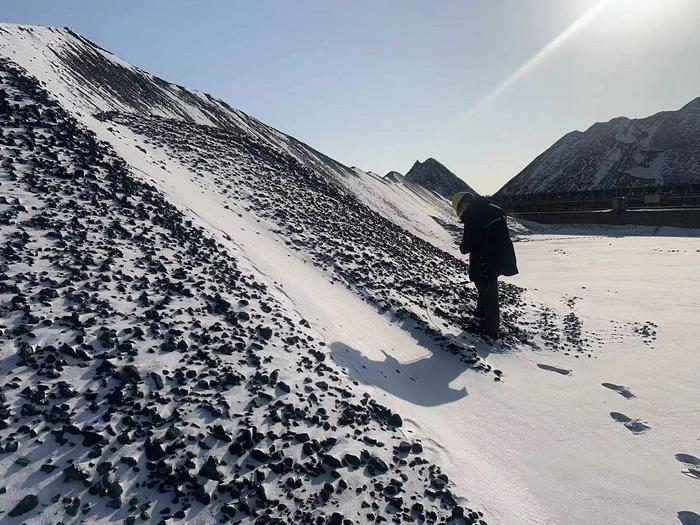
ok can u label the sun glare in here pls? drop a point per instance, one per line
(543, 53)
(625, 16)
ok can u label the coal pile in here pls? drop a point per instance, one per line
(146, 378)
(404, 277)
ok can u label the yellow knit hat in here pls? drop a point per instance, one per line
(461, 201)
(457, 199)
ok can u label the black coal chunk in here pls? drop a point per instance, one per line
(26, 504)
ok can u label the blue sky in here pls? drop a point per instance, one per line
(379, 84)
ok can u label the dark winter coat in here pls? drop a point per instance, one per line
(487, 241)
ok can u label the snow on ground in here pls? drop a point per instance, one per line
(550, 444)
(589, 467)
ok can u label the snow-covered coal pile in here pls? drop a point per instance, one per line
(90, 79)
(436, 177)
(315, 203)
(87, 79)
(622, 153)
(401, 275)
(147, 377)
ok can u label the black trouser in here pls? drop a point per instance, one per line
(487, 305)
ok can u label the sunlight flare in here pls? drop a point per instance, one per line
(543, 53)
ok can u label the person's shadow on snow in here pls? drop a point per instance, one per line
(425, 381)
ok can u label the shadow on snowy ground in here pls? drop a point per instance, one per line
(424, 381)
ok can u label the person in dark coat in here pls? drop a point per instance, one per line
(490, 250)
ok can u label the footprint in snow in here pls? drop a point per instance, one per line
(688, 518)
(692, 463)
(562, 371)
(620, 389)
(636, 426)
(687, 458)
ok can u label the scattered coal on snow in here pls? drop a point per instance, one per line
(146, 377)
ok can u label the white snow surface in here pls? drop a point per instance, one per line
(541, 446)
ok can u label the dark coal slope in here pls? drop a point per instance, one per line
(663, 149)
(127, 333)
(434, 176)
(390, 268)
(96, 74)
